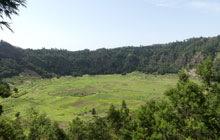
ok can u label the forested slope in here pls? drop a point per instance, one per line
(161, 58)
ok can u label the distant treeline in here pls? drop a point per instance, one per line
(159, 59)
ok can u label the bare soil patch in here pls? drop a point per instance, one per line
(78, 103)
(79, 92)
(105, 104)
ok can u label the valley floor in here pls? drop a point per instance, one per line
(68, 97)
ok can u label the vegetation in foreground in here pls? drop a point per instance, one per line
(192, 112)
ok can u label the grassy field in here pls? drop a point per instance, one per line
(68, 97)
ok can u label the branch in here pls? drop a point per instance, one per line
(6, 24)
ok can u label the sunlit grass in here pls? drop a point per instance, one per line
(68, 97)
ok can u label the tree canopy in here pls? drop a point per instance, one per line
(156, 59)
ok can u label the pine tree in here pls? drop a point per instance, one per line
(9, 8)
(205, 71)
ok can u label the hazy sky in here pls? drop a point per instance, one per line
(92, 24)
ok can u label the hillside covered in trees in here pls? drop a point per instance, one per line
(159, 59)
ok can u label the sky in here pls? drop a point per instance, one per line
(92, 24)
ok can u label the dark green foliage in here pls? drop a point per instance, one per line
(5, 84)
(183, 77)
(1, 110)
(124, 73)
(192, 112)
(77, 130)
(11, 130)
(48, 75)
(94, 130)
(98, 130)
(187, 98)
(205, 71)
(9, 8)
(190, 105)
(156, 120)
(4, 91)
(212, 115)
(114, 118)
(8, 68)
(160, 59)
(120, 122)
(216, 77)
(41, 127)
(75, 74)
(93, 111)
(116, 125)
(15, 90)
(11, 62)
(127, 125)
(17, 114)
(57, 133)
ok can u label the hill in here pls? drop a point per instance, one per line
(187, 111)
(161, 59)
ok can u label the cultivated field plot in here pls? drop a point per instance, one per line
(68, 97)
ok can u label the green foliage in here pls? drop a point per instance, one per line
(93, 111)
(160, 59)
(11, 130)
(191, 113)
(48, 75)
(94, 130)
(15, 90)
(114, 119)
(9, 8)
(17, 114)
(120, 121)
(77, 130)
(57, 133)
(156, 120)
(205, 71)
(4, 91)
(9, 67)
(75, 74)
(127, 125)
(41, 127)
(5, 84)
(98, 130)
(1, 109)
(183, 77)
(187, 98)
(190, 104)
